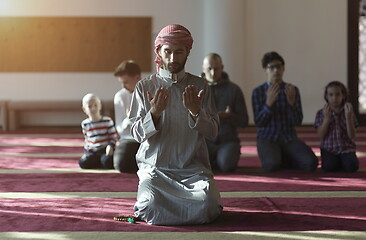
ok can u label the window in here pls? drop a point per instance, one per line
(357, 57)
(362, 57)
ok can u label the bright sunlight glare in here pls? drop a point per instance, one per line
(6, 6)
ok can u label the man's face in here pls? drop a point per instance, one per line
(128, 82)
(274, 71)
(212, 68)
(174, 57)
(125, 79)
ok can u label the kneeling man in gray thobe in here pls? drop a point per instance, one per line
(172, 112)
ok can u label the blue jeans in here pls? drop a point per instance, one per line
(276, 155)
(331, 162)
(224, 156)
(98, 159)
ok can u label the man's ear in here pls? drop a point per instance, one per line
(157, 51)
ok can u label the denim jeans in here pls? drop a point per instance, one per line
(346, 162)
(98, 159)
(276, 155)
(224, 156)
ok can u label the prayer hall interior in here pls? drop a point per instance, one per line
(54, 52)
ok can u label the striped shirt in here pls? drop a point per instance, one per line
(99, 134)
(336, 140)
(279, 121)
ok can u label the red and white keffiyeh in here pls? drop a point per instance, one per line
(173, 34)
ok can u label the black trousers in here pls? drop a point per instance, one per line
(125, 156)
(97, 159)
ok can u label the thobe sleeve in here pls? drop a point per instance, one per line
(142, 122)
(207, 122)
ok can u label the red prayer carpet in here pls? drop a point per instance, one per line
(42, 189)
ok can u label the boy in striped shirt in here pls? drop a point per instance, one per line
(100, 135)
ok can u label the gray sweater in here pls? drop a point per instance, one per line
(227, 93)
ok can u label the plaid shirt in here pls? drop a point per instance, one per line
(279, 121)
(336, 140)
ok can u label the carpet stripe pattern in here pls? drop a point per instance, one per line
(44, 195)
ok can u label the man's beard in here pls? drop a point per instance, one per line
(175, 67)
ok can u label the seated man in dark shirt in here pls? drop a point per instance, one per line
(224, 150)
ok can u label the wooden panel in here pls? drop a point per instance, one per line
(73, 44)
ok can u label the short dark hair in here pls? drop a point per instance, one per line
(341, 86)
(271, 56)
(128, 67)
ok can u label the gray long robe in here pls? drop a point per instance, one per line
(176, 184)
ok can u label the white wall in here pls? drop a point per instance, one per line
(310, 34)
